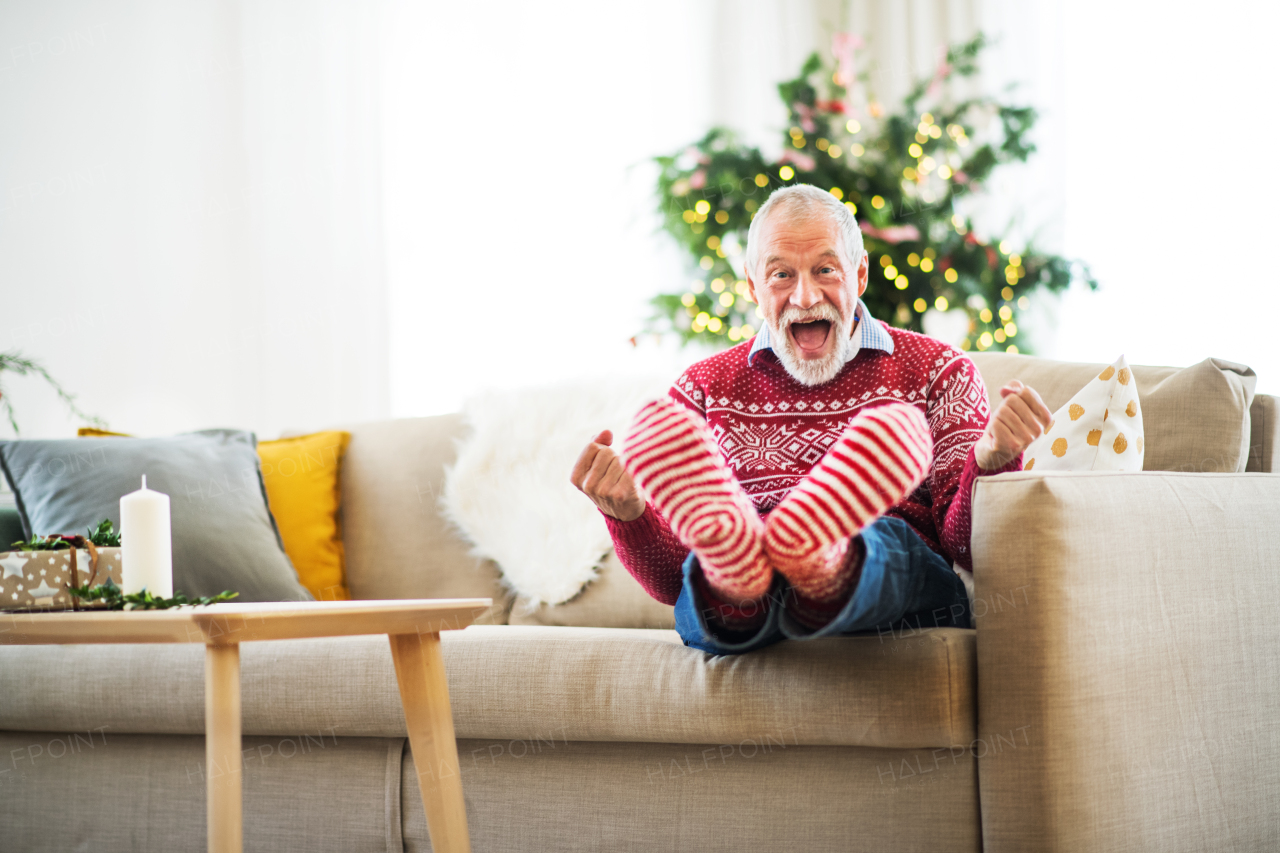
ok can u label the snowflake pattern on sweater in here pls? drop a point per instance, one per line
(772, 430)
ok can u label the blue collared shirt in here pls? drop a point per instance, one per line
(869, 329)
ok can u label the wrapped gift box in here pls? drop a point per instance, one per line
(38, 580)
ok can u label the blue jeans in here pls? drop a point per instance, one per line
(904, 585)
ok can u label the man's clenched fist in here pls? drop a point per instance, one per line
(600, 476)
(1020, 420)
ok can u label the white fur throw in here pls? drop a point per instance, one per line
(509, 490)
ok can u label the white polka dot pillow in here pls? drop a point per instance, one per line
(1099, 429)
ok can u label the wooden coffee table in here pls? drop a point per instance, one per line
(412, 625)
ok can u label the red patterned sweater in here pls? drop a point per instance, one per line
(772, 430)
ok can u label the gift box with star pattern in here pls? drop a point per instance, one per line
(38, 580)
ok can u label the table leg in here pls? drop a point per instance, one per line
(424, 691)
(222, 747)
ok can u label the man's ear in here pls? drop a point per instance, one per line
(751, 285)
(863, 274)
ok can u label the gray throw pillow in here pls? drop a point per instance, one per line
(224, 536)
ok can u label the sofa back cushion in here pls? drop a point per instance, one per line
(1196, 418)
(398, 545)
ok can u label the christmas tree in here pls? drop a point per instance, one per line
(901, 175)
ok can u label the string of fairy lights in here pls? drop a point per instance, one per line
(725, 292)
(908, 169)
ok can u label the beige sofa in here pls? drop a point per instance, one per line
(1121, 690)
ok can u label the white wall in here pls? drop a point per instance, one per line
(282, 214)
(522, 233)
(1171, 185)
(186, 213)
(1154, 138)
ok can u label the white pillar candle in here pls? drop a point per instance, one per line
(146, 542)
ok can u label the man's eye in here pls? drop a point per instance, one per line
(827, 269)
(779, 274)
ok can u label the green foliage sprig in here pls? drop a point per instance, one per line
(901, 175)
(41, 543)
(16, 362)
(115, 599)
(104, 536)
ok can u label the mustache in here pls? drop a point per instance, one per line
(823, 311)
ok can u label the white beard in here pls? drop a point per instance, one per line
(812, 371)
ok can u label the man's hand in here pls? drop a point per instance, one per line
(1020, 420)
(600, 476)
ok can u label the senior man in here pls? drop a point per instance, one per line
(815, 480)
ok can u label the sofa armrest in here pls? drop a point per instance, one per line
(1264, 433)
(1128, 650)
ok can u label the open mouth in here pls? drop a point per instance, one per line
(811, 338)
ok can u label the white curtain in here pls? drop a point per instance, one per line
(189, 213)
(1023, 65)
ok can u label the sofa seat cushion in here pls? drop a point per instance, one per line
(516, 682)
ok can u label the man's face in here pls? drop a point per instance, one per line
(808, 294)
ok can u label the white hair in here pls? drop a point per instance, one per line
(803, 202)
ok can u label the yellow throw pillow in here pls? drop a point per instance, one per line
(303, 489)
(1099, 429)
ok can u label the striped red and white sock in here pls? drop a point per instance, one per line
(675, 460)
(882, 455)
